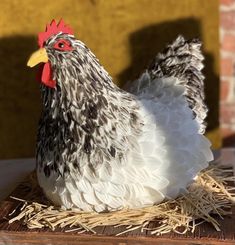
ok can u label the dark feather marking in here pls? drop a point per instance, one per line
(66, 170)
(112, 151)
(87, 144)
(47, 171)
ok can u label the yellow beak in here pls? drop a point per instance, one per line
(38, 57)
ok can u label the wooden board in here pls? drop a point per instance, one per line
(17, 233)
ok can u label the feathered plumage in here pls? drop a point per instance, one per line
(101, 148)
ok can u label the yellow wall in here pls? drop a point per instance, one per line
(124, 34)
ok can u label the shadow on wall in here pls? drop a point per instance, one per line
(147, 42)
(19, 98)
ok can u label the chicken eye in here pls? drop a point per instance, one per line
(63, 45)
(60, 45)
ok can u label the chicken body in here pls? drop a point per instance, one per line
(101, 148)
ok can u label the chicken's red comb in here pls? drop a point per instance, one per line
(52, 29)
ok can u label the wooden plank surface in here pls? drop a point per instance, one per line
(17, 233)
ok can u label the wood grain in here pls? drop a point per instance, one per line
(17, 233)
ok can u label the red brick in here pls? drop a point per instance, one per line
(228, 136)
(227, 113)
(228, 43)
(227, 2)
(227, 131)
(224, 90)
(226, 67)
(227, 19)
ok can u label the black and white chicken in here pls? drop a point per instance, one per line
(101, 148)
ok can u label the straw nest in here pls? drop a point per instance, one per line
(211, 193)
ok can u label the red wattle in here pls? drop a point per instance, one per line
(46, 75)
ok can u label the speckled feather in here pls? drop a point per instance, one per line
(101, 148)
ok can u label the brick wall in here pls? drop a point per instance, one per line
(227, 73)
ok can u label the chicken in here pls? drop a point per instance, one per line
(100, 148)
